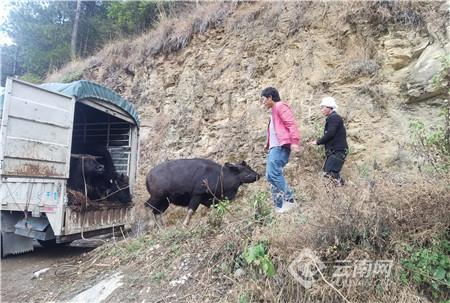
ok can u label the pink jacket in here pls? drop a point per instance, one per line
(286, 128)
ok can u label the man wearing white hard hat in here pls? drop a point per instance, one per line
(335, 140)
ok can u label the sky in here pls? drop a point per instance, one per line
(4, 10)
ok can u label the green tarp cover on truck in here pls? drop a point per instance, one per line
(84, 89)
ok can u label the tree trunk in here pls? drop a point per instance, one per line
(73, 42)
(16, 51)
(85, 51)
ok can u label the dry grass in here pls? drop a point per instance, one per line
(173, 33)
(75, 66)
(405, 13)
(352, 69)
(366, 220)
(169, 35)
(370, 218)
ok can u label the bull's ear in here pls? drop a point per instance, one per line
(243, 163)
(232, 167)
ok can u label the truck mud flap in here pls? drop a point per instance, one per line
(85, 221)
(12, 244)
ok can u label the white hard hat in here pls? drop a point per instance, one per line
(329, 102)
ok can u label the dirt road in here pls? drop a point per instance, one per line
(17, 284)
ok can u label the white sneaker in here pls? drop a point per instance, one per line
(286, 207)
(278, 210)
(289, 205)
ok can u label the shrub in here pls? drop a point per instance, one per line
(72, 76)
(430, 145)
(429, 267)
(215, 217)
(30, 77)
(359, 68)
(263, 211)
(257, 255)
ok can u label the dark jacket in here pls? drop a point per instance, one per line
(334, 135)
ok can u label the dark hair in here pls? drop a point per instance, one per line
(271, 91)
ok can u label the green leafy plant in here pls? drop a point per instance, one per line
(243, 298)
(263, 213)
(200, 232)
(364, 170)
(220, 208)
(433, 144)
(428, 267)
(175, 249)
(257, 255)
(175, 236)
(442, 80)
(158, 276)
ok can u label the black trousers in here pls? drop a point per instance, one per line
(334, 162)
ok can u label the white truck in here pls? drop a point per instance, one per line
(38, 127)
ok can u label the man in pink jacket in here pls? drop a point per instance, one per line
(282, 137)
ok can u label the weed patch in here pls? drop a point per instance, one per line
(428, 267)
(257, 255)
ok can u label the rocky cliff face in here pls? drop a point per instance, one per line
(376, 59)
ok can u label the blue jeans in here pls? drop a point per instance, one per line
(277, 159)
